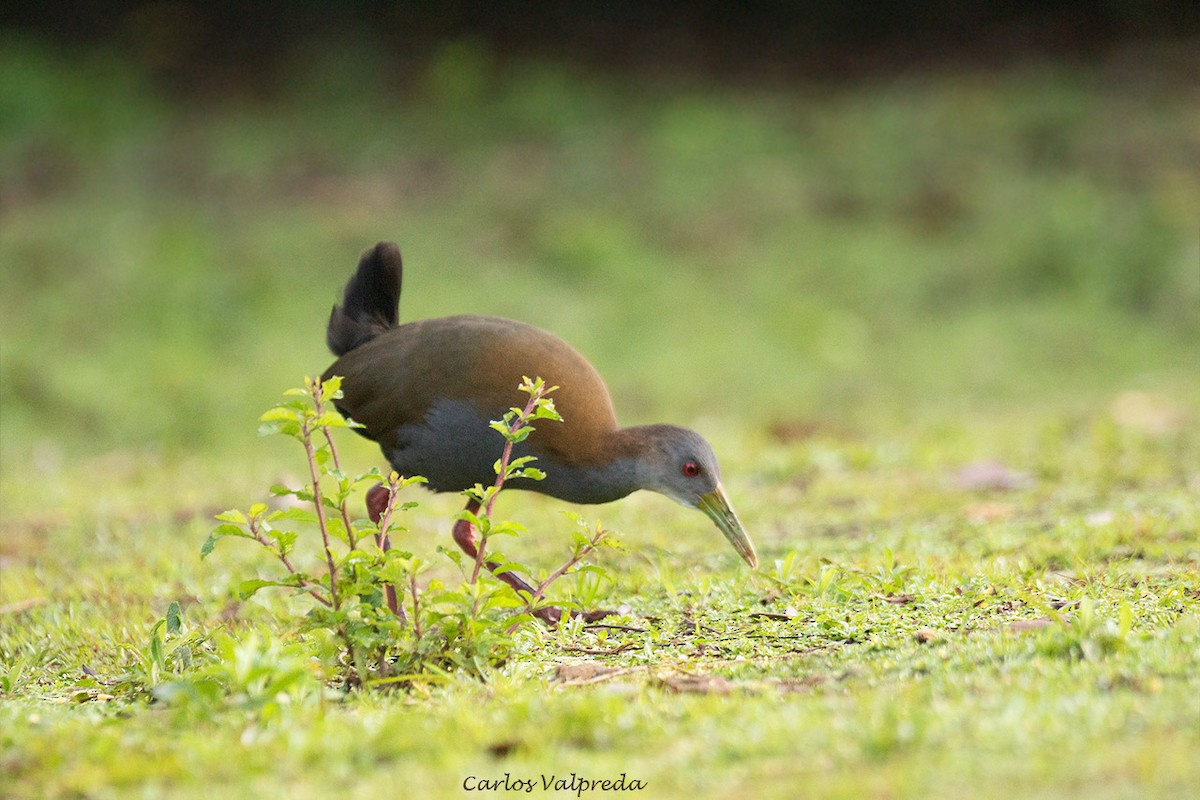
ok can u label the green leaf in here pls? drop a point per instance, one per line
(183, 654)
(517, 463)
(331, 388)
(294, 513)
(506, 600)
(508, 566)
(363, 527)
(545, 410)
(393, 572)
(457, 598)
(285, 539)
(357, 557)
(478, 493)
(229, 529)
(1124, 620)
(286, 428)
(280, 414)
(174, 620)
(337, 529)
(469, 516)
(506, 528)
(208, 546)
(233, 515)
(247, 589)
(156, 648)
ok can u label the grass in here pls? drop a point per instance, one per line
(854, 292)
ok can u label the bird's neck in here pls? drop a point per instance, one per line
(614, 471)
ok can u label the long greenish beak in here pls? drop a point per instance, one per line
(716, 505)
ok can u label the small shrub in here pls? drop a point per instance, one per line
(366, 592)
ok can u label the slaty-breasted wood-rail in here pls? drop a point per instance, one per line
(426, 391)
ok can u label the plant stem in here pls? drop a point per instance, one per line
(389, 589)
(478, 559)
(384, 542)
(584, 551)
(519, 422)
(337, 465)
(287, 563)
(412, 585)
(306, 432)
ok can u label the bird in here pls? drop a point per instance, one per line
(425, 392)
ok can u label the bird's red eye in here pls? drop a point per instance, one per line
(691, 469)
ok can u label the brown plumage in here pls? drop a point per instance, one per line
(397, 377)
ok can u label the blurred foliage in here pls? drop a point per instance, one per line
(191, 42)
(884, 250)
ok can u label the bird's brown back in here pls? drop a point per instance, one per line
(396, 378)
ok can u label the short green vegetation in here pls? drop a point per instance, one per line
(941, 330)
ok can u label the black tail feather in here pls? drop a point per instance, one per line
(371, 302)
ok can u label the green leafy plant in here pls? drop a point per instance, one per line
(258, 674)
(168, 653)
(367, 593)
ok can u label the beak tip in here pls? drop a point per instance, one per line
(717, 507)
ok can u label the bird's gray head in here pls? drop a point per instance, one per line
(680, 464)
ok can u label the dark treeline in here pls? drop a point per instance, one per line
(188, 41)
